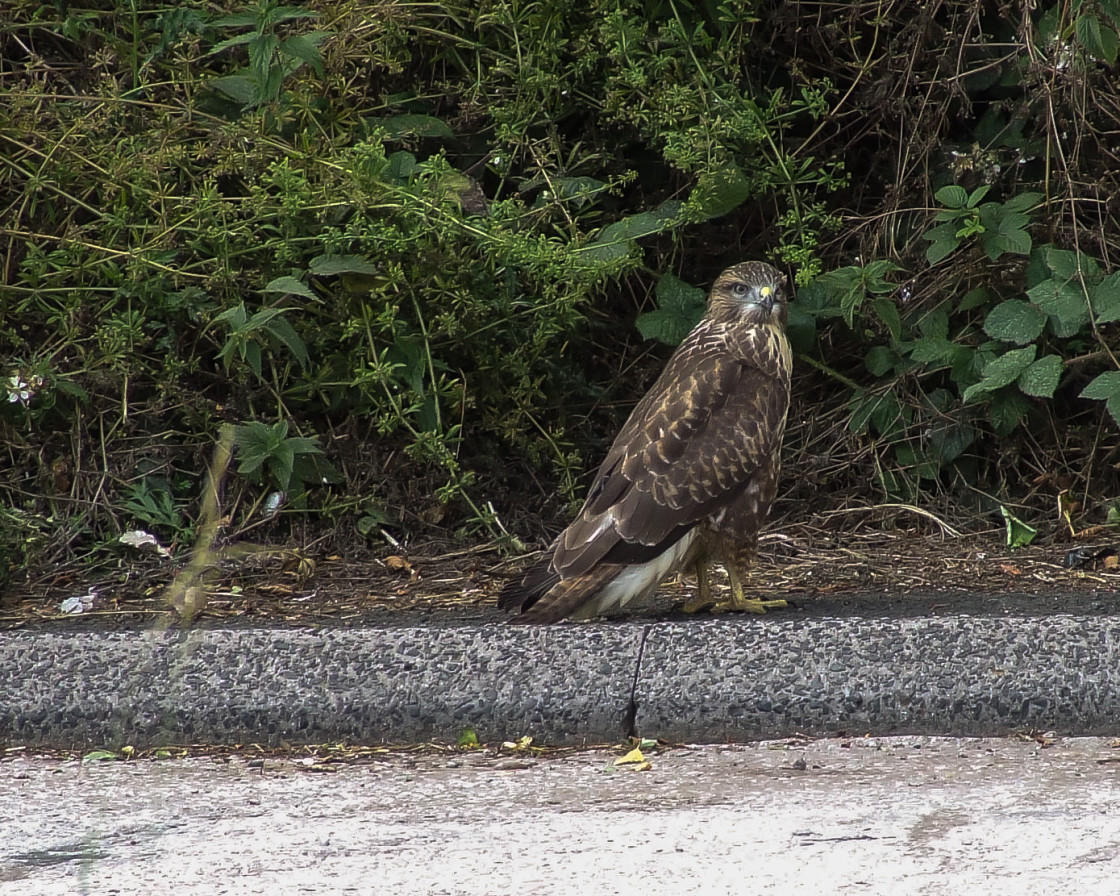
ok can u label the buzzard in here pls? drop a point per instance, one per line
(691, 475)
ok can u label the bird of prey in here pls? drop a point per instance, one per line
(691, 475)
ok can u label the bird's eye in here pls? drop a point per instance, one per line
(739, 290)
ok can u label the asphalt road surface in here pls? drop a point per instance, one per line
(890, 815)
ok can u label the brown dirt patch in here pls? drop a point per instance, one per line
(862, 571)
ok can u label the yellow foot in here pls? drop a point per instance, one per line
(696, 604)
(731, 606)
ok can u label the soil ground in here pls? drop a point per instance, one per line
(865, 572)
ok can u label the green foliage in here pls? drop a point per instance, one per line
(272, 58)
(267, 329)
(267, 451)
(152, 504)
(425, 232)
(1003, 368)
(1019, 534)
(999, 227)
(679, 309)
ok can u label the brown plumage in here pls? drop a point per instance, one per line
(691, 475)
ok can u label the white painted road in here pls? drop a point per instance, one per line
(901, 815)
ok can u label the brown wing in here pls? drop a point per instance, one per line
(690, 447)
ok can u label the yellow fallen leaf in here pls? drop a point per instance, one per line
(634, 756)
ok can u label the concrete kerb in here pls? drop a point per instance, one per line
(702, 680)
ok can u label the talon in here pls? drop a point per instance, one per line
(697, 604)
(761, 606)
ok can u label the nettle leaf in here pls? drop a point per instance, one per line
(1015, 321)
(801, 328)
(290, 286)
(1099, 41)
(305, 47)
(1041, 378)
(1001, 371)
(679, 309)
(935, 324)
(976, 195)
(402, 165)
(1065, 303)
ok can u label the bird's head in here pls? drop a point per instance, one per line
(753, 292)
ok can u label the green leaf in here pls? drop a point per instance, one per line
(237, 87)
(282, 331)
(1006, 410)
(98, 756)
(944, 241)
(235, 41)
(402, 165)
(305, 47)
(717, 192)
(332, 265)
(615, 241)
(1064, 302)
(1010, 237)
(974, 298)
(952, 196)
(933, 350)
(1022, 202)
(1019, 534)
(949, 439)
(1015, 321)
(1065, 264)
(251, 352)
(236, 20)
(679, 309)
(880, 360)
(396, 126)
(887, 415)
(935, 324)
(1104, 387)
(1001, 371)
(801, 329)
(1105, 299)
(290, 286)
(277, 14)
(976, 195)
(1041, 378)
(887, 312)
(1099, 42)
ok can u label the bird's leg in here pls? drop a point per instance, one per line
(738, 602)
(703, 598)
